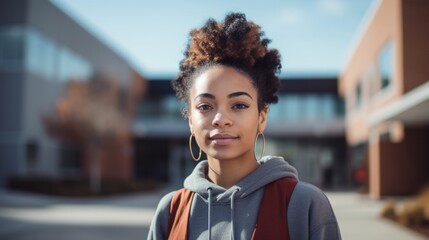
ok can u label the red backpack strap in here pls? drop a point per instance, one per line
(180, 207)
(272, 218)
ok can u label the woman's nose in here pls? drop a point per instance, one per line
(221, 119)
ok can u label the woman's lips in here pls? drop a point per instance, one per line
(222, 139)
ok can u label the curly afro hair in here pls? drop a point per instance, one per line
(237, 43)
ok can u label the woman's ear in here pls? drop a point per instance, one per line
(262, 123)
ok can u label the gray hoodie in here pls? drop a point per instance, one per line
(219, 213)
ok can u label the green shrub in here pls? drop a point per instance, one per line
(388, 210)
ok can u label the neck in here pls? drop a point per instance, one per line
(229, 172)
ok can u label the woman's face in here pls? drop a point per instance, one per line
(224, 114)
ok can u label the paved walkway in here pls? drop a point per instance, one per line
(30, 216)
(359, 218)
(25, 216)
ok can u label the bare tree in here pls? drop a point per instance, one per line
(92, 113)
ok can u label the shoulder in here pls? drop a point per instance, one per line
(309, 193)
(309, 204)
(309, 197)
(164, 203)
(159, 226)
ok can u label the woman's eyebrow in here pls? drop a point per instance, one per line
(231, 95)
(205, 95)
(237, 94)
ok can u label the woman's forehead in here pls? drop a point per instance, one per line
(222, 79)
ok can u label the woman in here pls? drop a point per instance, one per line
(227, 80)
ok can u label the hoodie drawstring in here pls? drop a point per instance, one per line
(209, 225)
(209, 215)
(232, 212)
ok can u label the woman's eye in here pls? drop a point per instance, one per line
(240, 106)
(204, 107)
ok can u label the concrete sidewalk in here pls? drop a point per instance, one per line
(25, 216)
(359, 218)
(31, 216)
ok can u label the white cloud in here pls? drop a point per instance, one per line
(291, 16)
(333, 7)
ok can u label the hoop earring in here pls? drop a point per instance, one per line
(190, 149)
(263, 145)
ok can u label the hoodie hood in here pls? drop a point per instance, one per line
(271, 168)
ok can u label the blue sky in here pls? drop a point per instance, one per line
(314, 37)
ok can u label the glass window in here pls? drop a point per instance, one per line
(11, 47)
(339, 107)
(72, 66)
(386, 64)
(51, 61)
(276, 110)
(32, 153)
(273, 113)
(163, 107)
(311, 107)
(171, 107)
(327, 106)
(148, 108)
(358, 96)
(293, 107)
(70, 157)
(41, 55)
